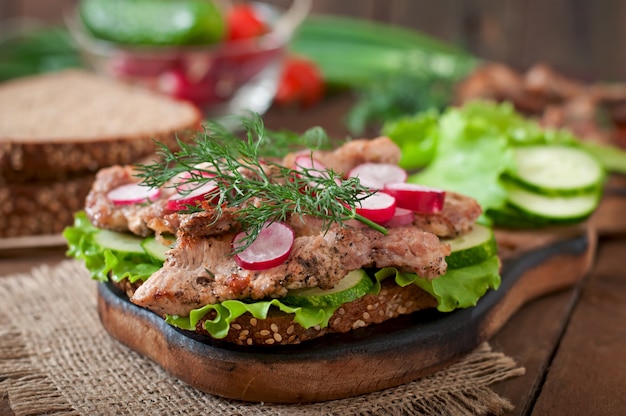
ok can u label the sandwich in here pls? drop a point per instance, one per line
(58, 129)
(245, 241)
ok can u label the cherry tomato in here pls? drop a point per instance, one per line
(300, 83)
(242, 22)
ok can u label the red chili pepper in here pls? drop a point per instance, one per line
(242, 22)
(300, 83)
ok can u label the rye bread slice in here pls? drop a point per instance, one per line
(57, 125)
(41, 207)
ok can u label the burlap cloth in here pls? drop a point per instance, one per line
(55, 358)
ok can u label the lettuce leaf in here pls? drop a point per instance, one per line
(417, 136)
(103, 263)
(474, 147)
(458, 288)
(471, 155)
(230, 310)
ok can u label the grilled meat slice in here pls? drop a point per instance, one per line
(135, 218)
(146, 219)
(352, 154)
(457, 217)
(201, 271)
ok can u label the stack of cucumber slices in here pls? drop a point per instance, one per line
(551, 185)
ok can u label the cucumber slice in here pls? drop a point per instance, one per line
(556, 209)
(353, 286)
(154, 249)
(511, 217)
(472, 248)
(557, 170)
(119, 242)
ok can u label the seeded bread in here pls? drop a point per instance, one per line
(55, 126)
(280, 329)
(42, 207)
(57, 130)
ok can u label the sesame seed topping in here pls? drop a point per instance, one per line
(236, 326)
(290, 329)
(366, 316)
(253, 321)
(269, 341)
(274, 328)
(278, 337)
(264, 333)
(358, 324)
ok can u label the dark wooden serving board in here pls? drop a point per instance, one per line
(365, 360)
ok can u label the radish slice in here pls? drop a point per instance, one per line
(270, 249)
(182, 199)
(416, 198)
(378, 207)
(376, 175)
(133, 193)
(185, 180)
(314, 168)
(400, 218)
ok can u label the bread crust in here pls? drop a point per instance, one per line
(41, 208)
(44, 161)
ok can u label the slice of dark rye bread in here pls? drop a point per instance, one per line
(58, 125)
(41, 207)
(58, 130)
(280, 329)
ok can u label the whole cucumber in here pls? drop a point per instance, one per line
(153, 22)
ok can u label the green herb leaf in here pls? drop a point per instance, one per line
(243, 176)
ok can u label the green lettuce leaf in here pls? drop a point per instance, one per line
(458, 288)
(230, 310)
(474, 148)
(416, 136)
(472, 153)
(104, 263)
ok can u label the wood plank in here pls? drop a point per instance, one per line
(443, 20)
(588, 374)
(576, 37)
(519, 339)
(353, 8)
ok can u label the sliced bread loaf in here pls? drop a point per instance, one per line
(57, 125)
(57, 130)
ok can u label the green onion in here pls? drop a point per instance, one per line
(352, 53)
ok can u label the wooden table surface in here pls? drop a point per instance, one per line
(571, 343)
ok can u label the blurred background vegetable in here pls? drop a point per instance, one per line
(36, 50)
(392, 71)
(150, 22)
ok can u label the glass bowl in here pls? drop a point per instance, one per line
(229, 78)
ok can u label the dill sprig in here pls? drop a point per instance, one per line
(263, 190)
